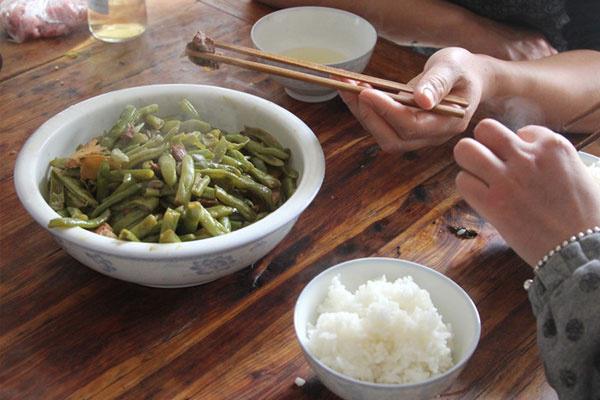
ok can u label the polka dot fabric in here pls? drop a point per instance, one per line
(565, 298)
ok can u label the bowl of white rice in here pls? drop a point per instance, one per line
(383, 328)
(593, 164)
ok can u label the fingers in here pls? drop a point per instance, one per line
(534, 133)
(478, 160)
(473, 190)
(410, 123)
(498, 138)
(436, 83)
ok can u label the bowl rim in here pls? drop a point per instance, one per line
(370, 27)
(457, 366)
(35, 204)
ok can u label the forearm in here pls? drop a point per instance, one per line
(558, 87)
(428, 23)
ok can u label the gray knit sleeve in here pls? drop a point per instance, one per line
(565, 297)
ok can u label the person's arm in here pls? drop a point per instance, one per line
(564, 296)
(438, 23)
(561, 86)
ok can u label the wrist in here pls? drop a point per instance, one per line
(494, 76)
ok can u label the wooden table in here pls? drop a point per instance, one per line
(69, 332)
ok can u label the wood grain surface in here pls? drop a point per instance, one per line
(67, 332)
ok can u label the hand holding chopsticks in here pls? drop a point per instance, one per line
(201, 51)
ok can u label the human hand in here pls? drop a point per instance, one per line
(398, 128)
(532, 186)
(507, 42)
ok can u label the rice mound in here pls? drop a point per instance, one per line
(386, 332)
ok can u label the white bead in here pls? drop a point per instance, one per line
(545, 258)
(589, 231)
(580, 235)
(540, 263)
(572, 239)
(551, 253)
(527, 284)
(596, 229)
(557, 248)
(565, 244)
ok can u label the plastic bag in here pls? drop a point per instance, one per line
(32, 19)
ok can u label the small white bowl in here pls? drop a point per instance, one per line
(315, 27)
(178, 264)
(455, 306)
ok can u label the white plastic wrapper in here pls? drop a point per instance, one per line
(31, 19)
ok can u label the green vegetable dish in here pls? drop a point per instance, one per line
(169, 179)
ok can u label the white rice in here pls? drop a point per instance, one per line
(594, 169)
(386, 332)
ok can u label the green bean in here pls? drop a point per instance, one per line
(73, 201)
(143, 228)
(269, 159)
(258, 148)
(152, 239)
(263, 136)
(146, 154)
(200, 184)
(102, 178)
(191, 217)
(260, 164)
(60, 162)
(128, 116)
(118, 156)
(149, 109)
(208, 193)
(289, 171)
(226, 223)
(219, 150)
(154, 121)
(237, 140)
(169, 236)
(169, 126)
(242, 183)
(151, 192)
(187, 237)
(140, 174)
(235, 225)
(116, 198)
(75, 188)
(213, 226)
(148, 204)
(73, 222)
(72, 172)
(128, 219)
(167, 168)
(126, 182)
(288, 187)
(195, 125)
(188, 109)
(186, 180)
(76, 213)
(235, 202)
(56, 194)
(128, 235)
(170, 220)
(220, 211)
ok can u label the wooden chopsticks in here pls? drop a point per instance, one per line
(591, 137)
(404, 96)
(342, 73)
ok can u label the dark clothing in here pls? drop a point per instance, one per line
(565, 297)
(567, 24)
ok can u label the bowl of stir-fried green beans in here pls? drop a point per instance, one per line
(170, 185)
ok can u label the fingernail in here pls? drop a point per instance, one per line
(427, 92)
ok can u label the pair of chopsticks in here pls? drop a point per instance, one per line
(450, 105)
(591, 137)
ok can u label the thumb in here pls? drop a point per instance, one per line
(434, 85)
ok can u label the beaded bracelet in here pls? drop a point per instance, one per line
(544, 260)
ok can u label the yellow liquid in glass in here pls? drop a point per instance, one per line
(117, 20)
(319, 55)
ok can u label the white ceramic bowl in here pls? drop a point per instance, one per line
(316, 27)
(180, 264)
(452, 302)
